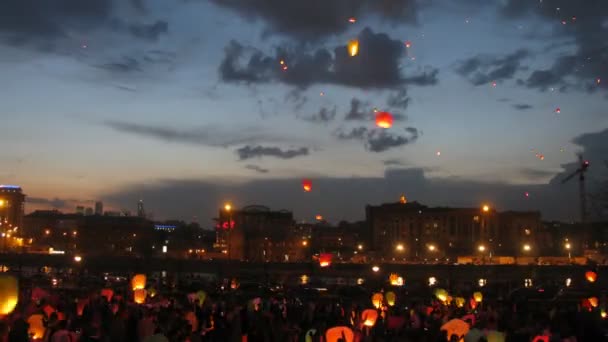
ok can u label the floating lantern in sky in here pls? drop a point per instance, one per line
(306, 185)
(527, 194)
(138, 282)
(494, 84)
(353, 47)
(441, 294)
(591, 276)
(319, 217)
(352, 20)
(325, 260)
(321, 94)
(340, 333)
(377, 299)
(408, 44)
(9, 294)
(384, 120)
(438, 153)
(369, 317)
(478, 296)
(558, 110)
(563, 22)
(390, 298)
(598, 80)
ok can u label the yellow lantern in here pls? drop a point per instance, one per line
(369, 317)
(139, 296)
(441, 294)
(395, 280)
(478, 296)
(353, 47)
(9, 294)
(377, 299)
(138, 282)
(459, 301)
(36, 329)
(201, 296)
(152, 292)
(591, 276)
(390, 298)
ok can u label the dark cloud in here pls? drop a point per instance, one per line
(400, 99)
(53, 202)
(578, 70)
(206, 136)
(141, 62)
(324, 115)
(522, 106)
(394, 162)
(317, 19)
(125, 65)
(249, 152)
(256, 168)
(536, 174)
(362, 111)
(43, 22)
(296, 97)
(484, 69)
(376, 66)
(151, 31)
(378, 140)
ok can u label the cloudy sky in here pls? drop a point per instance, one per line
(186, 104)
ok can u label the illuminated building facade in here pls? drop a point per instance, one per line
(12, 202)
(255, 233)
(415, 231)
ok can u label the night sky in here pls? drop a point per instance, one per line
(185, 104)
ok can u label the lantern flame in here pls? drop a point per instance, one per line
(353, 47)
(384, 120)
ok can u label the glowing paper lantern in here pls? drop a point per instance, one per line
(353, 47)
(306, 185)
(108, 293)
(152, 292)
(9, 294)
(138, 282)
(459, 301)
(191, 318)
(478, 296)
(591, 276)
(384, 120)
(456, 327)
(390, 298)
(408, 44)
(352, 20)
(441, 294)
(593, 301)
(558, 110)
(80, 304)
(377, 299)
(48, 310)
(395, 280)
(369, 317)
(36, 329)
(341, 333)
(325, 260)
(139, 296)
(201, 296)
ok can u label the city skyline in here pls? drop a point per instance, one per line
(148, 100)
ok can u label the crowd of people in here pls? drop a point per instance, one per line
(111, 314)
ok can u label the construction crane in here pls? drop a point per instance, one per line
(582, 168)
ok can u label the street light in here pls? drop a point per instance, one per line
(481, 248)
(375, 268)
(527, 248)
(400, 248)
(432, 248)
(360, 247)
(485, 208)
(227, 207)
(567, 246)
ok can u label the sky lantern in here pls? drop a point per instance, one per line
(456, 327)
(441, 294)
(369, 317)
(478, 296)
(340, 333)
(591, 276)
(408, 44)
(201, 296)
(138, 282)
(306, 185)
(325, 260)
(352, 20)
(377, 299)
(353, 47)
(395, 280)
(319, 217)
(108, 293)
(36, 326)
(390, 298)
(139, 296)
(9, 294)
(459, 301)
(593, 301)
(558, 110)
(384, 120)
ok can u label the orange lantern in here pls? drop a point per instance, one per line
(48, 310)
(138, 282)
(9, 294)
(459, 301)
(342, 334)
(390, 298)
(353, 47)
(395, 280)
(80, 306)
(369, 317)
(108, 293)
(478, 296)
(139, 296)
(377, 299)
(319, 217)
(306, 185)
(36, 326)
(593, 301)
(191, 318)
(325, 260)
(591, 276)
(384, 120)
